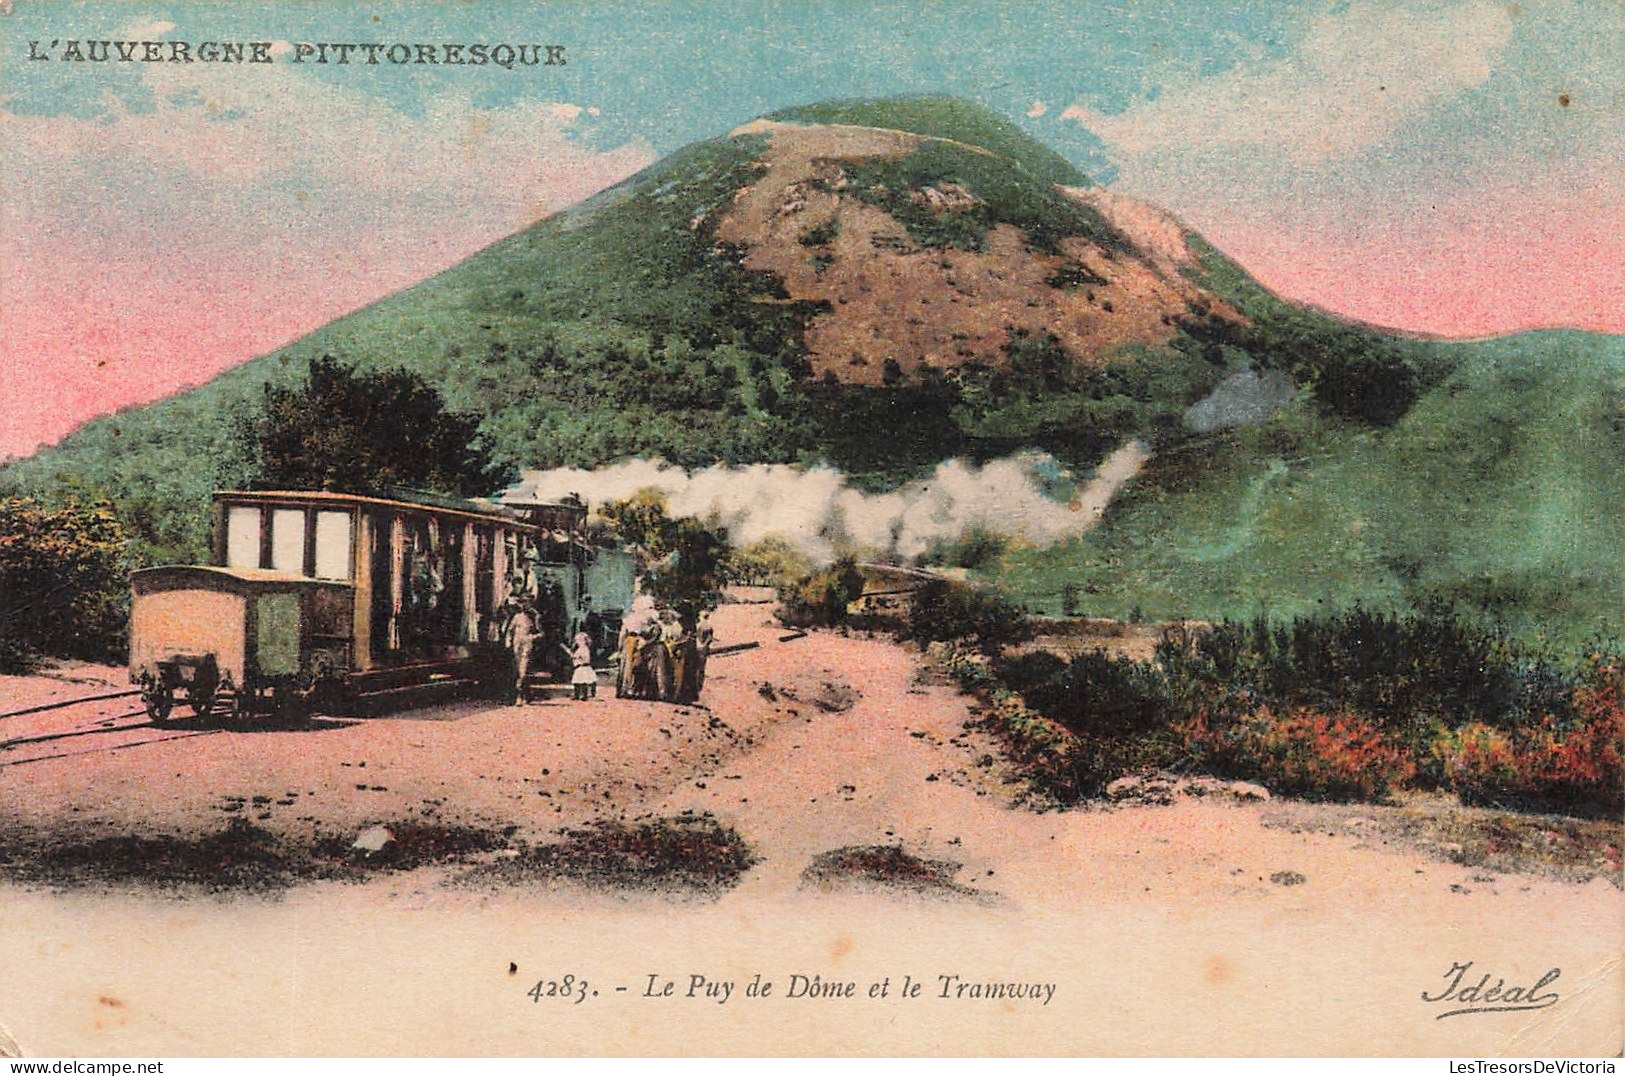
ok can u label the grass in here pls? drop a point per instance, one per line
(945, 117)
(1499, 492)
(1005, 195)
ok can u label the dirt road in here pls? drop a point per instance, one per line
(803, 749)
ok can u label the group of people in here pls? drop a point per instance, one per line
(659, 657)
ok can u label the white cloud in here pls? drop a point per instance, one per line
(1356, 77)
(1037, 109)
(254, 126)
(145, 31)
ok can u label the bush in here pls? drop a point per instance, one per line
(976, 549)
(770, 562)
(1568, 763)
(1339, 756)
(1408, 673)
(1096, 694)
(820, 600)
(62, 582)
(942, 611)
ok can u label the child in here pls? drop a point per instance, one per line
(584, 679)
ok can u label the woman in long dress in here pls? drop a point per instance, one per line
(655, 665)
(630, 642)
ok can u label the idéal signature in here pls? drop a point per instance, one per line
(1481, 997)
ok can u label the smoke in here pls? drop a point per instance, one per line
(1028, 496)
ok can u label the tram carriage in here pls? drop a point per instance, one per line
(359, 603)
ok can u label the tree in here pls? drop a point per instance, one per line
(62, 586)
(771, 562)
(367, 432)
(685, 562)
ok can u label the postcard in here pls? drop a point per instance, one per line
(811, 528)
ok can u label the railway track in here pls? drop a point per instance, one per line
(85, 725)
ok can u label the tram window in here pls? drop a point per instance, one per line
(288, 540)
(243, 537)
(332, 545)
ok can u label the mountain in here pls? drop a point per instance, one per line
(884, 284)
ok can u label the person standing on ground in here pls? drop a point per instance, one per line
(704, 636)
(583, 678)
(520, 636)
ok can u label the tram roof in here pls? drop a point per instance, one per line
(414, 500)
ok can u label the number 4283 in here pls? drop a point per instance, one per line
(563, 989)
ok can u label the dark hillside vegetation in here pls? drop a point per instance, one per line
(1498, 493)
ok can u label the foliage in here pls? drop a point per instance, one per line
(1001, 194)
(62, 582)
(941, 611)
(1570, 762)
(1352, 705)
(1305, 752)
(820, 599)
(977, 547)
(1096, 694)
(685, 562)
(361, 432)
(771, 561)
(1042, 397)
(1352, 372)
(1498, 492)
(1409, 674)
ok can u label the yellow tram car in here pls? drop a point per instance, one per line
(359, 603)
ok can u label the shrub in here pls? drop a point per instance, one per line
(1409, 673)
(941, 611)
(1573, 762)
(772, 562)
(62, 583)
(1306, 752)
(820, 600)
(1096, 694)
(975, 549)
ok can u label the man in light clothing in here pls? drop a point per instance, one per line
(520, 636)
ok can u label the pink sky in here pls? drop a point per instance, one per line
(87, 331)
(143, 251)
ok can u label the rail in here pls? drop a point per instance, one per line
(60, 704)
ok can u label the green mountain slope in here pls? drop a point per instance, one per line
(624, 326)
(1500, 491)
(884, 284)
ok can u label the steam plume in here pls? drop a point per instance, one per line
(820, 514)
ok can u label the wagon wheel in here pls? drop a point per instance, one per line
(200, 701)
(200, 693)
(159, 700)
